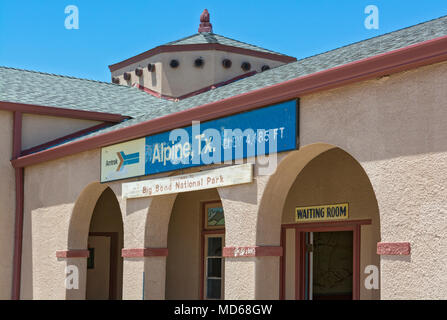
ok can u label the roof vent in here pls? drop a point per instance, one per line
(139, 72)
(205, 25)
(115, 80)
(226, 63)
(126, 76)
(265, 67)
(246, 66)
(174, 63)
(199, 62)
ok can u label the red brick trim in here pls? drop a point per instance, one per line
(154, 93)
(64, 254)
(393, 248)
(410, 57)
(145, 252)
(61, 112)
(199, 47)
(252, 251)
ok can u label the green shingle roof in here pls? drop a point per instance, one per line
(146, 107)
(44, 89)
(208, 37)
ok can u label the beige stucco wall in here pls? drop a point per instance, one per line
(395, 127)
(186, 77)
(183, 268)
(51, 191)
(38, 129)
(7, 204)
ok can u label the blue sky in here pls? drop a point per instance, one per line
(33, 35)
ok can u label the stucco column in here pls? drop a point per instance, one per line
(145, 247)
(76, 268)
(251, 269)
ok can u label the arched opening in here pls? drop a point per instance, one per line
(196, 237)
(96, 224)
(330, 225)
(105, 242)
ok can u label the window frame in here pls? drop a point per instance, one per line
(205, 265)
(207, 232)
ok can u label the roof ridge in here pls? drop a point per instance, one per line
(371, 38)
(178, 40)
(62, 76)
(204, 34)
(253, 45)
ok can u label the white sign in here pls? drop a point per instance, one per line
(123, 160)
(209, 179)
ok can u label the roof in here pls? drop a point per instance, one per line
(209, 37)
(354, 52)
(143, 107)
(50, 90)
(205, 41)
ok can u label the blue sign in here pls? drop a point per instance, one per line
(262, 131)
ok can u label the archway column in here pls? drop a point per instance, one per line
(75, 265)
(144, 277)
(145, 247)
(251, 268)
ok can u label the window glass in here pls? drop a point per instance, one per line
(332, 265)
(214, 267)
(215, 217)
(215, 246)
(214, 288)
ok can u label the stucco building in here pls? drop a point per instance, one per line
(343, 195)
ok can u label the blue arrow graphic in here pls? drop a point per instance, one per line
(126, 159)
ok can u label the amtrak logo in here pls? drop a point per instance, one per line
(123, 160)
(126, 159)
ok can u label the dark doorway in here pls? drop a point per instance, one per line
(328, 261)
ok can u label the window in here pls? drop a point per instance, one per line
(214, 216)
(213, 240)
(213, 267)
